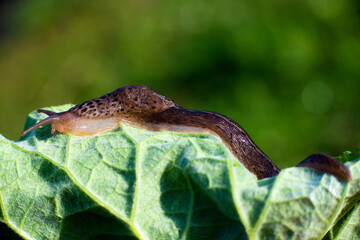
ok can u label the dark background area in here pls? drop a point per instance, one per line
(287, 71)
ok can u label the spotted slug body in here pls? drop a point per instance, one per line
(102, 114)
(142, 107)
(129, 100)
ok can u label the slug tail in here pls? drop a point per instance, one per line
(49, 119)
(323, 163)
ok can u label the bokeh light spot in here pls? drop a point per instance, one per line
(317, 97)
(327, 8)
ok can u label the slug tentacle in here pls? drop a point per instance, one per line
(49, 119)
(48, 112)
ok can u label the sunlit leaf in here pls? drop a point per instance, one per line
(131, 183)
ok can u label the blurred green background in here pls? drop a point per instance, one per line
(287, 71)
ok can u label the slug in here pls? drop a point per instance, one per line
(140, 106)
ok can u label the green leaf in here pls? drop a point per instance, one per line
(348, 224)
(131, 183)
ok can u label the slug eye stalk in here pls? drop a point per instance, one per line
(52, 117)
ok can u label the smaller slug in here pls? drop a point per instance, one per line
(142, 107)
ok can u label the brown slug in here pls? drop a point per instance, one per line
(142, 107)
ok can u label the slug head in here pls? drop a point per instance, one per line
(57, 120)
(68, 122)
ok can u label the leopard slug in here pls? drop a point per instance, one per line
(140, 106)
